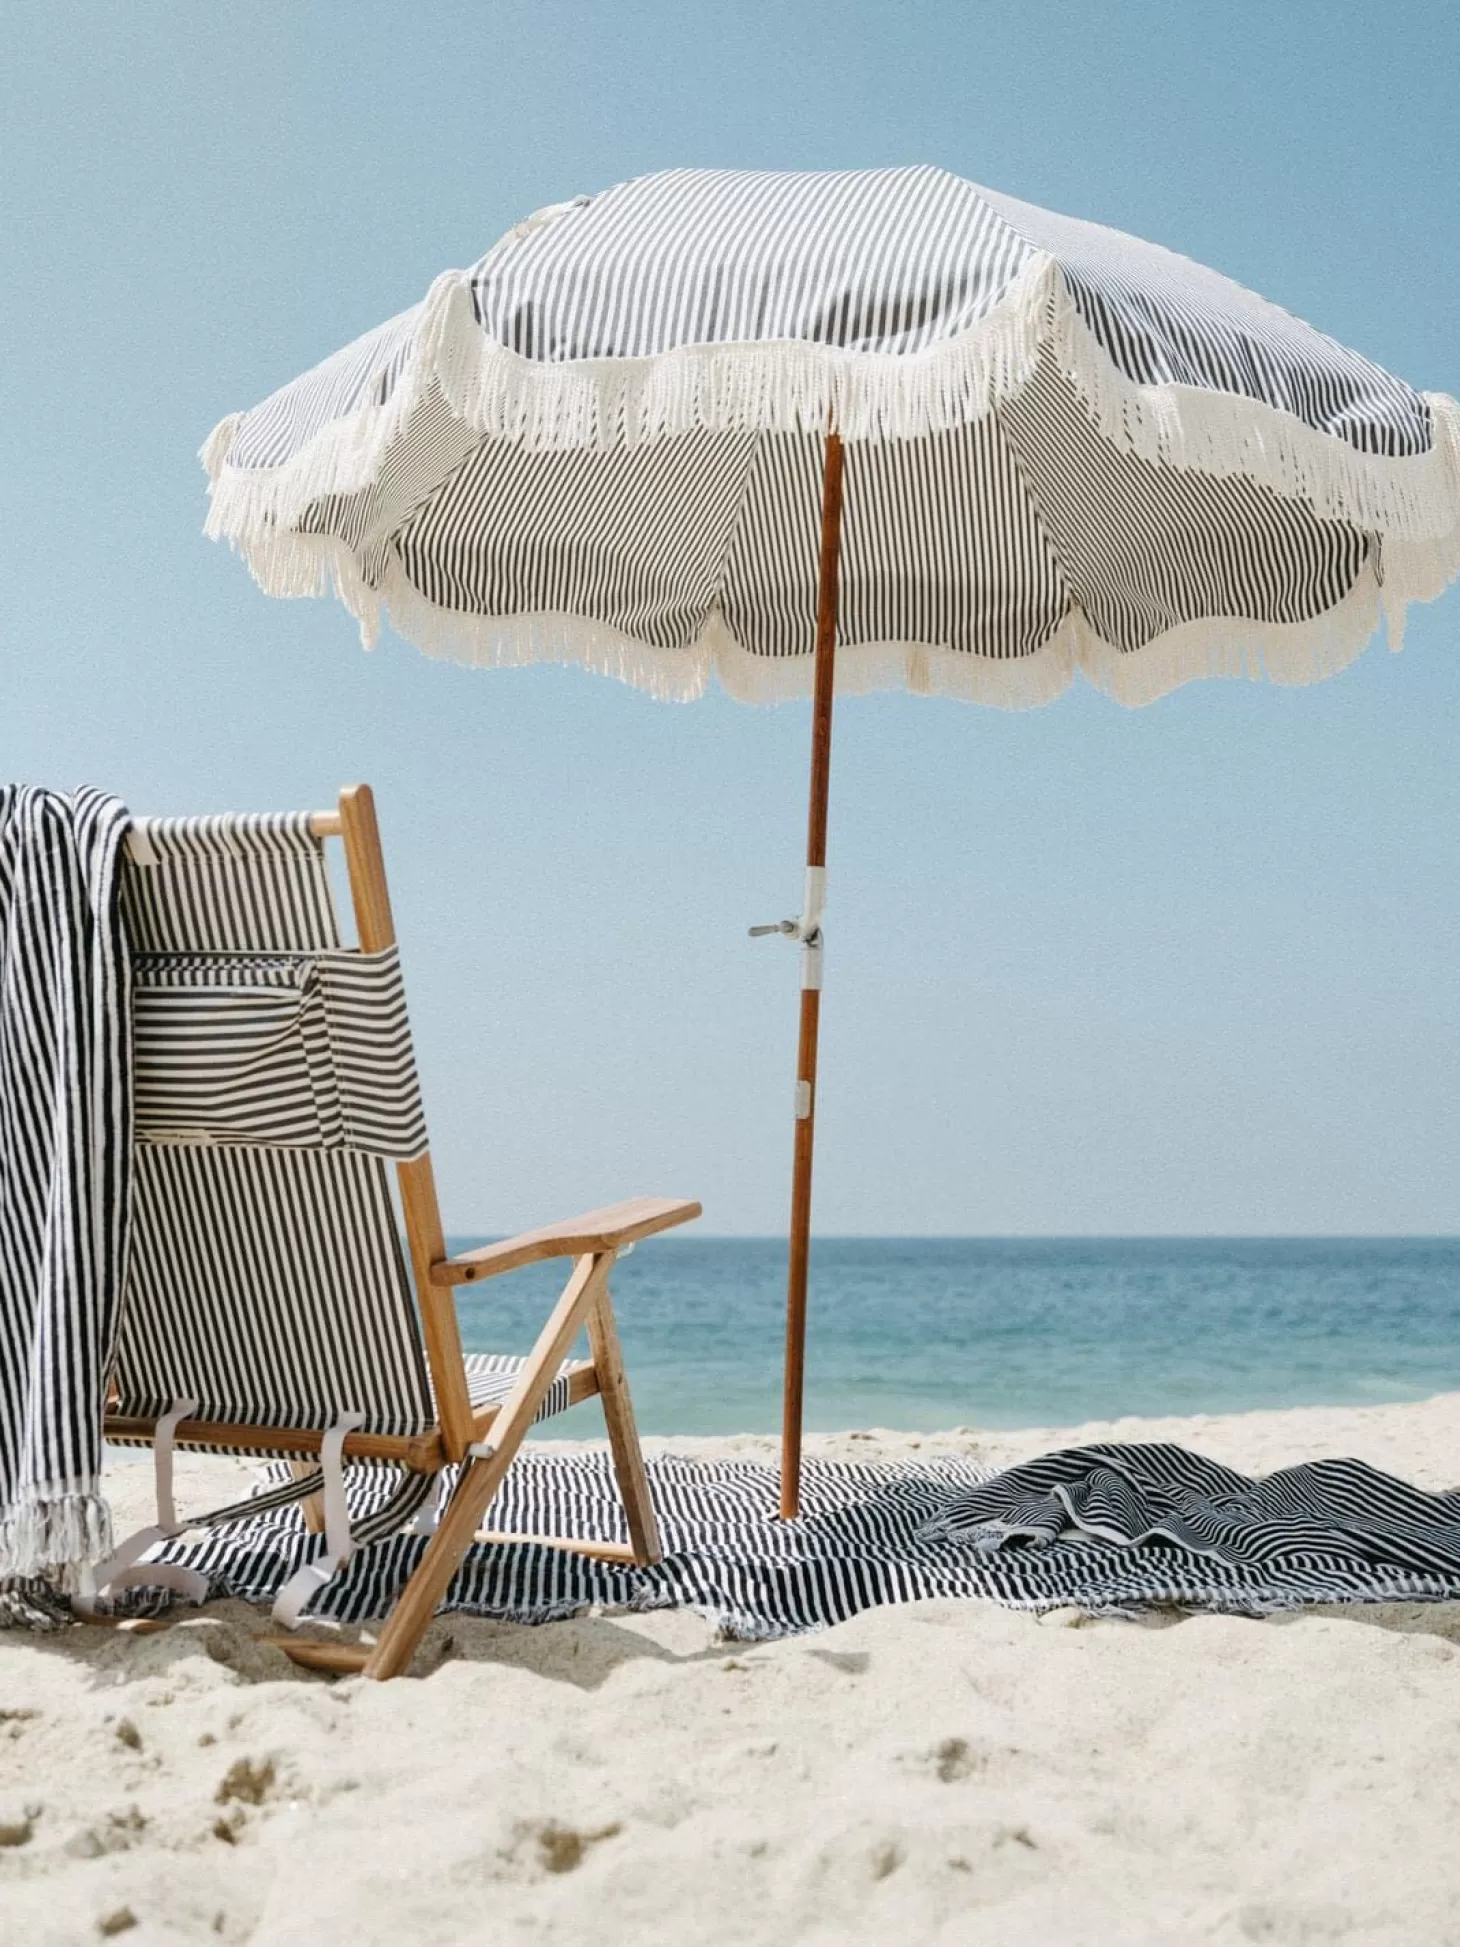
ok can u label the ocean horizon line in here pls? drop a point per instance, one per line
(1025, 1237)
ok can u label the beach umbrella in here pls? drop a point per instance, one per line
(811, 433)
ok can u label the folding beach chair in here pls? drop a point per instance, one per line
(268, 1309)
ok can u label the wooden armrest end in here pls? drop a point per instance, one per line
(608, 1229)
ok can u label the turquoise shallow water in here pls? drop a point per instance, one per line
(923, 1333)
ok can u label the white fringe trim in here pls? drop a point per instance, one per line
(1286, 653)
(1197, 430)
(44, 1533)
(792, 386)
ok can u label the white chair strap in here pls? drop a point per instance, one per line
(425, 1522)
(305, 1582)
(190, 1583)
(336, 1510)
(118, 1570)
(162, 1452)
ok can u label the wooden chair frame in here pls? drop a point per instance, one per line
(485, 1440)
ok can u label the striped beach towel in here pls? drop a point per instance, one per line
(65, 1166)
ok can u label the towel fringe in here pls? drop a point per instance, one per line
(42, 1535)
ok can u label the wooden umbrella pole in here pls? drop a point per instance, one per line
(826, 613)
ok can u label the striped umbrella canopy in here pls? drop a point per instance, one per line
(808, 433)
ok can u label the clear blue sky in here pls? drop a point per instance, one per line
(1191, 969)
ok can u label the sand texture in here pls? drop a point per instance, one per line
(940, 1773)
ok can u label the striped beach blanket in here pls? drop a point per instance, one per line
(1109, 1529)
(1126, 1525)
(65, 1160)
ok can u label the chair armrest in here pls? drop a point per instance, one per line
(608, 1229)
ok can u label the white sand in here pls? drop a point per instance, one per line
(942, 1773)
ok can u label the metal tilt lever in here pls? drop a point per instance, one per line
(807, 930)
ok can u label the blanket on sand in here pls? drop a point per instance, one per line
(1106, 1529)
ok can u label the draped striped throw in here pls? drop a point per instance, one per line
(65, 1160)
(1104, 1529)
(1067, 452)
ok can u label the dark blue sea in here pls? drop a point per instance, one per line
(927, 1333)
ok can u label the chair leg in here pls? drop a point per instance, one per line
(623, 1434)
(419, 1600)
(421, 1596)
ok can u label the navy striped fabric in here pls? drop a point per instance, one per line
(249, 882)
(880, 260)
(65, 1168)
(1333, 1531)
(269, 1285)
(1326, 1530)
(267, 1278)
(1164, 320)
(274, 1074)
(292, 1051)
(883, 261)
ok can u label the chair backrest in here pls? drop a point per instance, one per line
(274, 1079)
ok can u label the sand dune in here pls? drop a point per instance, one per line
(942, 1773)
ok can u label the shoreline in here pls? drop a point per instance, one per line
(950, 1770)
(1260, 1440)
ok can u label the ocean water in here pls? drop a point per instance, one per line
(925, 1333)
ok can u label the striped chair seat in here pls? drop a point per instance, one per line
(490, 1376)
